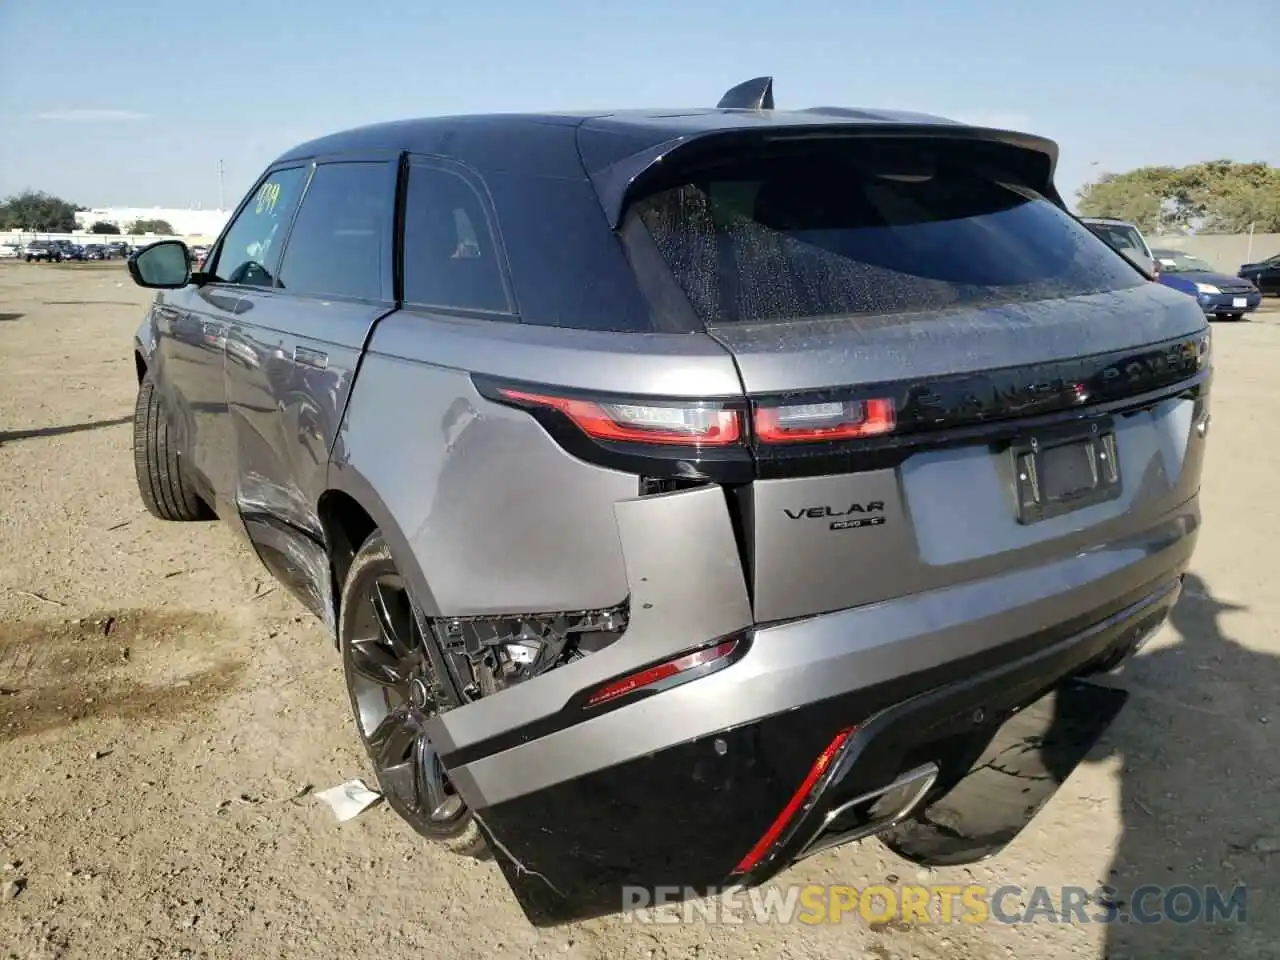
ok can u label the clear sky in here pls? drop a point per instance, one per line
(134, 102)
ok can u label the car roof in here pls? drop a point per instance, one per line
(615, 148)
(483, 139)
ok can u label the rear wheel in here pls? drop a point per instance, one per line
(166, 489)
(394, 691)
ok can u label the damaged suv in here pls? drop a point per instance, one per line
(689, 492)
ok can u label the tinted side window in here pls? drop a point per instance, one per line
(567, 267)
(339, 242)
(450, 257)
(251, 246)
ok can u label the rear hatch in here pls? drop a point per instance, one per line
(949, 376)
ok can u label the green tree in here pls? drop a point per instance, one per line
(36, 210)
(1218, 196)
(103, 227)
(151, 226)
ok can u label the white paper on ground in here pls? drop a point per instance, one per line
(349, 800)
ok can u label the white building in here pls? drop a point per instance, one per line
(186, 223)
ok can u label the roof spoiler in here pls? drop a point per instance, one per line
(754, 94)
(620, 177)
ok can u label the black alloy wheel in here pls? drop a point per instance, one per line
(394, 691)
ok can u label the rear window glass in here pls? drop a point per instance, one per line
(450, 256)
(336, 247)
(814, 235)
(568, 268)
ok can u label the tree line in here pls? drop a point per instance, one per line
(41, 212)
(1219, 196)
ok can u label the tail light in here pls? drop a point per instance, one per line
(665, 674)
(715, 424)
(814, 422)
(695, 424)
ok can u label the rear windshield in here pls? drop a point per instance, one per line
(814, 235)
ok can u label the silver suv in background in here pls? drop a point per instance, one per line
(47, 250)
(1126, 238)
(689, 492)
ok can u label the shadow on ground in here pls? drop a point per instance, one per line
(8, 435)
(1197, 742)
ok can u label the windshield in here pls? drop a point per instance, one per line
(827, 233)
(1173, 262)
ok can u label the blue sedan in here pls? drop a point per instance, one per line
(1220, 294)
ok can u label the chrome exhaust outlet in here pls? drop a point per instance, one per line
(885, 807)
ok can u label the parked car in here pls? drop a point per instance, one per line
(10, 250)
(45, 250)
(1265, 275)
(1126, 238)
(95, 251)
(198, 255)
(1219, 295)
(119, 248)
(70, 250)
(689, 492)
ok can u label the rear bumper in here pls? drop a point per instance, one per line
(704, 770)
(928, 743)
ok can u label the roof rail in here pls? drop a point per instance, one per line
(754, 94)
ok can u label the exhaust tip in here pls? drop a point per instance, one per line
(873, 812)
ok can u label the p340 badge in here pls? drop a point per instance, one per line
(869, 514)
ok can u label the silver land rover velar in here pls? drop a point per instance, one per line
(689, 491)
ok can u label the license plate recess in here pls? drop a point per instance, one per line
(1064, 469)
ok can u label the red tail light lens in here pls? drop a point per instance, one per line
(651, 676)
(798, 799)
(708, 426)
(836, 420)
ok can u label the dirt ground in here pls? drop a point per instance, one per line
(164, 711)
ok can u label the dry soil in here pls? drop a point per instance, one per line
(165, 712)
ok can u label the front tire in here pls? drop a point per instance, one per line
(166, 489)
(394, 691)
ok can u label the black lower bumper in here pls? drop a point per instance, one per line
(685, 818)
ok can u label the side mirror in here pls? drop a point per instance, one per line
(165, 265)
